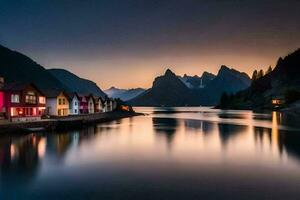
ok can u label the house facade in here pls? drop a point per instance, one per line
(74, 104)
(22, 102)
(99, 105)
(108, 105)
(91, 104)
(83, 104)
(57, 103)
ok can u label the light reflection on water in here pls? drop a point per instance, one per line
(173, 153)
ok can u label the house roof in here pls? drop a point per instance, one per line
(19, 86)
(54, 93)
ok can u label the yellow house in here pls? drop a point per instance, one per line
(57, 103)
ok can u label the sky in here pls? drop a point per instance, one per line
(127, 43)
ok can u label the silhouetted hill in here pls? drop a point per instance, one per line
(283, 81)
(124, 94)
(167, 90)
(227, 80)
(196, 82)
(73, 83)
(170, 90)
(16, 67)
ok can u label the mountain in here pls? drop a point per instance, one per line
(172, 90)
(124, 94)
(196, 82)
(167, 90)
(283, 82)
(227, 80)
(73, 83)
(16, 67)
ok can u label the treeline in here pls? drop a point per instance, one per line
(258, 74)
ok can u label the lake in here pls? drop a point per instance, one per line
(170, 153)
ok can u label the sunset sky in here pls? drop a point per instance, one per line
(126, 43)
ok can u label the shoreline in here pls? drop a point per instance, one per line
(64, 123)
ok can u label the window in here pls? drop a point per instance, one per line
(75, 103)
(15, 98)
(59, 101)
(42, 100)
(30, 99)
(75, 111)
(63, 101)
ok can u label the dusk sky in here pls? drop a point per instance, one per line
(126, 43)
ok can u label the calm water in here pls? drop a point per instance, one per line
(175, 153)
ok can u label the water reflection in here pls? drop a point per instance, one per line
(177, 150)
(227, 131)
(201, 126)
(166, 127)
(20, 158)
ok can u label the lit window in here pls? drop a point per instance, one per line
(42, 100)
(31, 99)
(15, 98)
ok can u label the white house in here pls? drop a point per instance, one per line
(91, 104)
(108, 105)
(99, 104)
(57, 103)
(74, 104)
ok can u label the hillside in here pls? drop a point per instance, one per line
(16, 67)
(172, 90)
(73, 83)
(167, 90)
(124, 94)
(282, 82)
(196, 82)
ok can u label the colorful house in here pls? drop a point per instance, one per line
(108, 105)
(74, 104)
(91, 104)
(22, 102)
(278, 101)
(99, 104)
(57, 103)
(83, 104)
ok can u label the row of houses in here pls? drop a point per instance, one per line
(25, 102)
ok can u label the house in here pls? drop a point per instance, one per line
(278, 101)
(83, 104)
(74, 104)
(91, 104)
(99, 104)
(57, 103)
(22, 102)
(108, 105)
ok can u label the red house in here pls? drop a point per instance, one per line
(22, 102)
(83, 104)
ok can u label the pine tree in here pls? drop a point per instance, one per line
(254, 75)
(260, 74)
(269, 69)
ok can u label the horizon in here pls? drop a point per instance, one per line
(107, 41)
